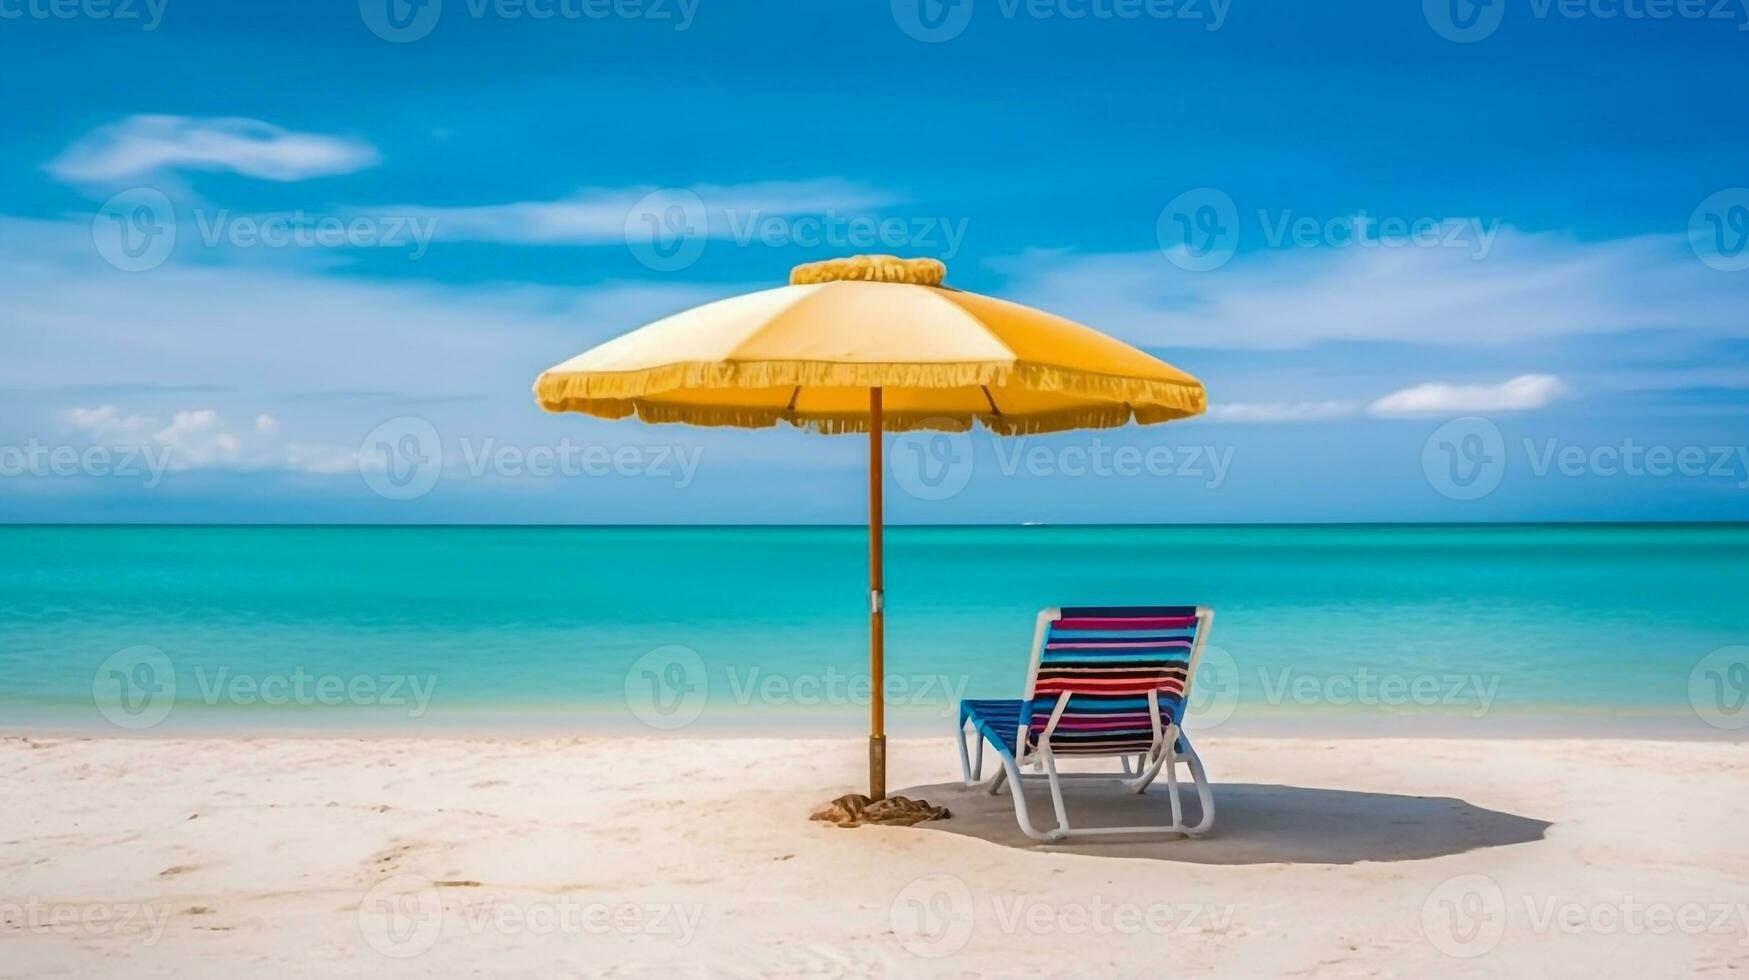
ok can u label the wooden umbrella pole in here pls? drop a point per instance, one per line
(877, 731)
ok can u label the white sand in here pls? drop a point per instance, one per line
(231, 857)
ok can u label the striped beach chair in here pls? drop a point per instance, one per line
(1106, 681)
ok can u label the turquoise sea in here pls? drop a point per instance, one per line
(1412, 629)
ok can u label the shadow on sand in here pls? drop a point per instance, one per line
(1255, 824)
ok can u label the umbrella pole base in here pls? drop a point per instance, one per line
(877, 767)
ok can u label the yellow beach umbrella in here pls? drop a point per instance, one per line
(871, 344)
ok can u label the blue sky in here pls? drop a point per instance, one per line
(1357, 223)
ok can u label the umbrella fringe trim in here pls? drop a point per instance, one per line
(569, 392)
(1093, 417)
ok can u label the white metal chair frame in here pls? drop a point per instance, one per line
(1163, 753)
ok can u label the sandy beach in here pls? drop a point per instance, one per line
(395, 856)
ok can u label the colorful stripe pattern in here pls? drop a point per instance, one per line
(1105, 660)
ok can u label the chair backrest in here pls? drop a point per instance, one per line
(1105, 660)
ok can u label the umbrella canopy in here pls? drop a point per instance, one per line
(871, 344)
(809, 352)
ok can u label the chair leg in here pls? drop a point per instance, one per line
(1016, 790)
(1205, 796)
(1144, 777)
(1170, 755)
(1050, 760)
(1164, 756)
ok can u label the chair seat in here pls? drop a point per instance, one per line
(998, 720)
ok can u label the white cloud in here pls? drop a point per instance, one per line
(322, 460)
(1530, 285)
(106, 424)
(1313, 411)
(146, 144)
(601, 215)
(198, 439)
(1525, 392)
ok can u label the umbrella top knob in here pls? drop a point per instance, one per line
(871, 268)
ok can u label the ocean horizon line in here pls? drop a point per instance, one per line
(1091, 525)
